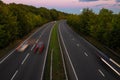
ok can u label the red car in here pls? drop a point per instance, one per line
(39, 47)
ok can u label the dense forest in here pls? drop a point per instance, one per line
(17, 20)
(104, 26)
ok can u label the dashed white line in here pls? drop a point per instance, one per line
(101, 73)
(114, 62)
(85, 54)
(110, 66)
(73, 39)
(78, 45)
(25, 58)
(42, 33)
(20, 45)
(14, 75)
(32, 47)
(37, 40)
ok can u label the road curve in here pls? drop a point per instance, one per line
(26, 65)
(83, 57)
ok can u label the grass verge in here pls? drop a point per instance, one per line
(57, 65)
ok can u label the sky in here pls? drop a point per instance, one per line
(72, 6)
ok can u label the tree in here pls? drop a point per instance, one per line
(8, 25)
(17, 20)
(104, 27)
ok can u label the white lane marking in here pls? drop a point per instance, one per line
(51, 64)
(110, 66)
(68, 55)
(42, 33)
(73, 39)
(14, 75)
(77, 45)
(101, 73)
(25, 58)
(41, 78)
(32, 47)
(62, 58)
(114, 62)
(6, 57)
(21, 44)
(37, 40)
(85, 54)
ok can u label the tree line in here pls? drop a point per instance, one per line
(104, 26)
(17, 20)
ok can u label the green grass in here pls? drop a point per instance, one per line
(58, 70)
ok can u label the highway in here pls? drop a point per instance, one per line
(84, 59)
(27, 65)
(83, 63)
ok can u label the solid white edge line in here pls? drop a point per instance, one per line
(114, 62)
(110, 66)
(68, 54)
(25, 58)
(21, 44)
(85, 54)
(6, 57)
(63, 59)
(14, 75)
(41, 78)
(101, 73)
(95, 48)
(51, 64)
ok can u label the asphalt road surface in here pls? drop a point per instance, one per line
(86, 64)
(26, 65)
(30, 66)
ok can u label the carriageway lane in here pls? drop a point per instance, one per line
(86, 64)
(14, 62)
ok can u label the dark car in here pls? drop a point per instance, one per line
(39, 47)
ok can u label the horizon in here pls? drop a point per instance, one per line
(72, 6)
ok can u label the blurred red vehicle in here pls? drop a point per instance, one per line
(39, 47)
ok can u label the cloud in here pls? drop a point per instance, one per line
(101, 5)
(96, 0)
(116, 5)
(117, 0)
(87, 0)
